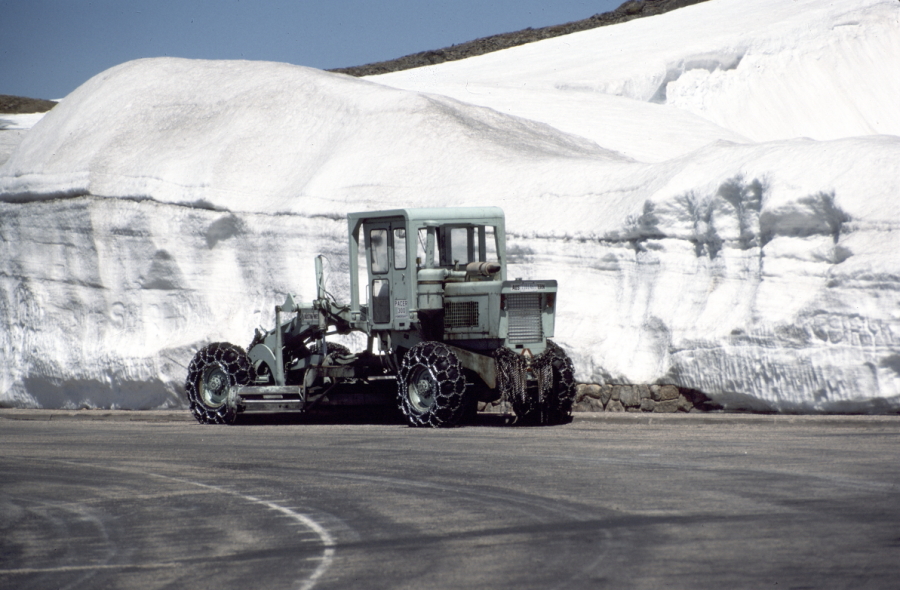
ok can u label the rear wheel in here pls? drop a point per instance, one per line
(541, 391)
(214, 370)
(560, 395)
(431, 386)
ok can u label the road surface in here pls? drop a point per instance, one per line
(152, 500)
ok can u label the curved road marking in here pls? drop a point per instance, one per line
(327, 539)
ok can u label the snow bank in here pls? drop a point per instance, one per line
(12, 130)
(724, 69)
(167, 202)
(211, 133)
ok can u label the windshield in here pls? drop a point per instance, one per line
(456, 244)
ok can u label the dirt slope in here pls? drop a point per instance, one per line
(628, 11)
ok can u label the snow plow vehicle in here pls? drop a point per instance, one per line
(445, 330)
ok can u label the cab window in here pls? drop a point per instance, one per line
(378, 248)
(399, 248)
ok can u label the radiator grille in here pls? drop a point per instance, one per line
(524, 313)
(461, 314)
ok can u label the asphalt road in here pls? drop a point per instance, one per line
(690, 501)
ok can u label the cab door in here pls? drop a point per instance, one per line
(389, 284)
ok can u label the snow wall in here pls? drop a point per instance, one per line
(167, 203)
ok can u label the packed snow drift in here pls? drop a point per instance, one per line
(714, 189)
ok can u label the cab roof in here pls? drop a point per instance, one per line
(432, 216)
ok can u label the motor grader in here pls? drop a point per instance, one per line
(445, 330)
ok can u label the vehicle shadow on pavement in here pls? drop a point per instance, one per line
(383, 415)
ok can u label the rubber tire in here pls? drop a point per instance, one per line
(431, 386)
(213, 370)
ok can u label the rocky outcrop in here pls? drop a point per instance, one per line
(13, 105)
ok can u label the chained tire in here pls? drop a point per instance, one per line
(212, 372)
(431, 386)
(549, 400)
(557, 403)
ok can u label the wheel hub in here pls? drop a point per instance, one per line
(214, 387)
(422, 389)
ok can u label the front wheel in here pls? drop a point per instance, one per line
(213, 371)
(431, 386)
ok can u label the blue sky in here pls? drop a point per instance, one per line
(49, 47)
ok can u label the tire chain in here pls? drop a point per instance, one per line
(234, 362)
(563, 395)
(445, 367)
(555, 376)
